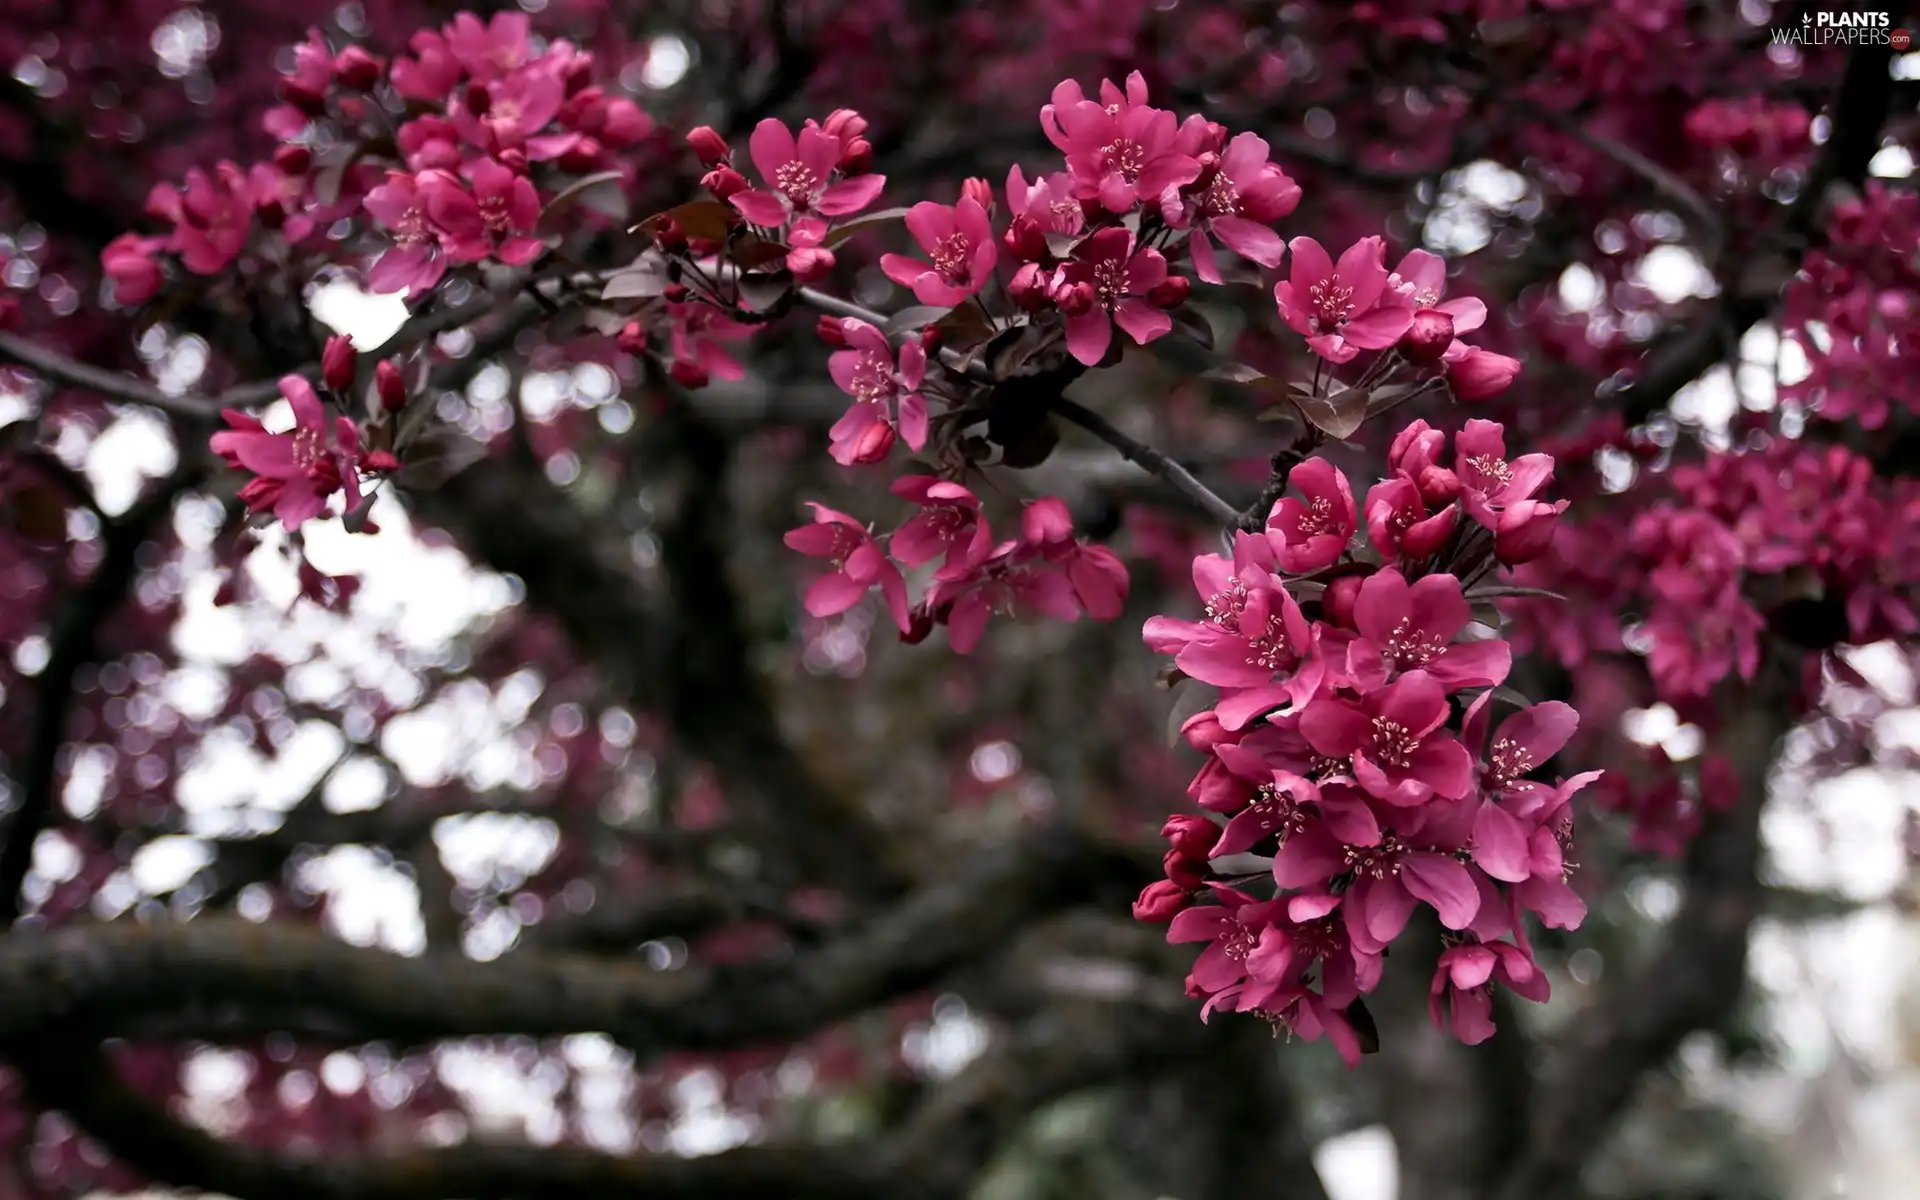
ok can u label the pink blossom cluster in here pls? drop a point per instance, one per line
(1754, 129)
(1854, 311)
(1044, 570)
(295, 472)
(1349, 746)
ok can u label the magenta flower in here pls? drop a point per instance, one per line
(1012, 580)
(1109, 282)
(519, 106)
(959, 240)
(1460, 999)
(1398, 523)
(496, 220)
(1488, 482)
(132, 263)
(858, 561)
(1311, 533)
(1124, 155)
(885, 391)
(1067, 95)
(798, 172)
(1098, 576)
(1297, 1010)
(1524, 742)
(414, 263)
(1048, 202)
(1232, 929)
(1395, 738)
(949, 523)
(212, 217)
(431, 73)
(1245, 194)
(1346, 308)
(294, 472)
(1387, 881)
(1412, 626)
(492, 50)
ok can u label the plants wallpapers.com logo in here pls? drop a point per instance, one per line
(1843, 29)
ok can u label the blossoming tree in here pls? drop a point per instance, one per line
(880, 454)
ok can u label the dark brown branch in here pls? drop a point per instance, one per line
(78, 1080)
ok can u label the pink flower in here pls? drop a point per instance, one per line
(949, 523)
(1231, 928)
(294, 472)
(1399, 525)
(430, 74)
(1048, 202)
(1313, 532)
(494, 221)
(1523, 742)
(1395, 739)
(884, 391)
(1388, 879)
(1013, 579)
(1406, 626)
(858, 561)
(518, 107)
(1488, 482)
(1343, 309)
(1067, 95)
(414, 263)
(1245, 194)
(960, 242)
(212, 216)
(1106, 269)
(132, 263)
(492, 50)
(1460, 999)
(1481, 374)
(1098, 576)
(1123, 155)
(798, 172)
(1526, 530)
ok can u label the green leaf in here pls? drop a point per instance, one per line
(1237, 372)
(841, 233)
(918, 316)
(1192, 324)
(708, 219)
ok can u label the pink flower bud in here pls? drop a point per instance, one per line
(857, 157)
(1209, 167)
(1428, 337)
(1184, 872)
(1526, 531)
(632, 338)
(585, 155)
(724, 182)
(810, 263)
(293, 160)
(845, 124)
(1025, 240)
(1170, 292)
(1203, 731)
(1160, 901)
(379, 462)
(1337, 604)
(1031, 289)
(1074, 298)
(707, 143)
(308, 101)
(979, 191)
(873, 444)
(689, 374)
(1190, 834)
(337, 362)
(479, 99)
(357, 69)
(676, 293)
(669, 236)
(1438, 485)
(1482, 374)
(514, 160)
(929, 338)
(919, 625)
(831, 333)
(389, 386)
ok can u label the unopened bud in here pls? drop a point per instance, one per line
(675, 293)
(1191, 834)
(1184, 872)
(1426, 537)
(1025, 240)
(689, 374)
(873, 445)
(479, 99)
(669, 236)
(308, 101)
(1209, 167)
(810, 263)
(979, 191)
(632, 338)
(337, 362)
(1031, 289)
(379, 462)
(1438, 486)
(857, 157)
(930, 338)
(1170, 292)
(583, 156)
(293, 160)
(724, 182)
(919, 625)
(709, 146)
(357, 69)
(514, 160)
(1074, 298)
(1336, 605)
(391, 388)
(1428, 337)
(844, 124)
(1161, 901)
(830, 332)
